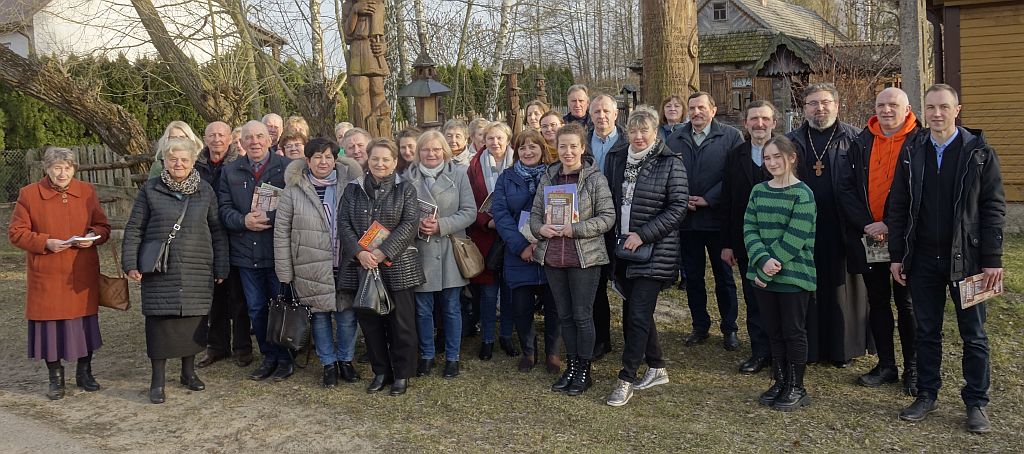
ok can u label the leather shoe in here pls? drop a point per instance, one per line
(283, 371)
(486, 351)
(156, 395)
(265, 370)
(918, 410)
(879, 376)
(210, 358)
(347, 372)
(508, 347)
(378, 383)
(193, 383)
(243, 359)
(730, 341)
(754, 365)
(399, 386)
(451, 369)
(695, 338)
(425, 366)
(977, 420)
(330, 379)
(526, 363)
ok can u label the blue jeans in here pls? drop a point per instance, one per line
(260, 285)
(334, 345)
(694, 244)
(489, 295)
(452, 310)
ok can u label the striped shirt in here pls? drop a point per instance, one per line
(780, 223)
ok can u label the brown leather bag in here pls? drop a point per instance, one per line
(467, 257)
(114, 290)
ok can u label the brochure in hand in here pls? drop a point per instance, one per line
(876, 251)
(972, 290)
(374, 236)
(524, 227)
(561, 204)
(265, 197)
(80, 239)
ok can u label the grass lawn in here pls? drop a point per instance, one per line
(492, 407)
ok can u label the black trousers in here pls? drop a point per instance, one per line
(602, 311)
(573, 290)
(523, 299)
(229, 329)
(759, 346)
(698, 245)
(881, 288)
(391, 340)
(929, 281)
(641, 345)
(784, 315)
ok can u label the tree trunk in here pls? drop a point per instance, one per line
(317, 103)
(459, 55)
(117, 128)
(669, 49)
(406, 105)
(500, 42)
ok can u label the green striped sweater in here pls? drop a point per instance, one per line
(779, 223)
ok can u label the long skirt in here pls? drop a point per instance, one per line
(171, 336)
(68, 340)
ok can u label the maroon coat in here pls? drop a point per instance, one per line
(481, 235)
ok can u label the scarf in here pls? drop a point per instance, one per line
(634, 162)
(59, 189)
(531, 175)
(187, 186)
(330, 186)
(490, 167)
(465, 157)
(430, 175)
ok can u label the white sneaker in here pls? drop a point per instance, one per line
(621, 394)
(653, 377)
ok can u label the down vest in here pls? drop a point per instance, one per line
(597, 215)
(393, 205)
(658, 207)
(186, 288)
(303, 247)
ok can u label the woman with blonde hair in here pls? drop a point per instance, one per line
(176, 129)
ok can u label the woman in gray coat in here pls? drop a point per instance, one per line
(441, 183)
(177, 300)
(306, 252)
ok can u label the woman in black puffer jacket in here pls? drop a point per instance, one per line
(377, 196)
(649, 191)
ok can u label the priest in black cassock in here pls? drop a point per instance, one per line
(837, 328)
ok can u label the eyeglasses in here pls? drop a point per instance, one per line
(823, 103)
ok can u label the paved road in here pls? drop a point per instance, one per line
(22, 435)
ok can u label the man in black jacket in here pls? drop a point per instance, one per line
(704, 144)
(252, 238)
(744, 169)
(228, 319)
(865, 177)
(577, 99)
(946, 216)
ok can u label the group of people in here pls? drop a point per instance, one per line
(653, 199)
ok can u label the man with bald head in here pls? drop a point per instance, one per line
(252, 238)
(865, 176)
(275, 125)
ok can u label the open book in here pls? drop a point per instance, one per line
(972, 290)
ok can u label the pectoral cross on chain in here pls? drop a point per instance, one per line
(818, 167)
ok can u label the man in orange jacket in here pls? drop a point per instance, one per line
(866, 174)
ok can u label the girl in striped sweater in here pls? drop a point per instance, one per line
(778, 231)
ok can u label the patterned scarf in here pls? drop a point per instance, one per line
(634, 162)
(530, 174)
(188, 186)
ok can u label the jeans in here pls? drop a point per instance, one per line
(759, 346)
(574, 290)
(259, 285)
(229, 318)
(338, 344)
(784, 315)
(929, 281)
(880, 288)
(489, 294)
(694, 243)
(451, 321)
(641, 298)
(521, 311)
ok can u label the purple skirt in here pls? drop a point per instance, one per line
(68, 340)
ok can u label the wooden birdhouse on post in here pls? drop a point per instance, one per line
(429, 93)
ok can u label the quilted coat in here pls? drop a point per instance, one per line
(597, 214)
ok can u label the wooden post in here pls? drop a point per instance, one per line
(915, 52)
(541, 85)
(512, 70)
(669, 49)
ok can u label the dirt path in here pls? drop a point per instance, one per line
(23, 435)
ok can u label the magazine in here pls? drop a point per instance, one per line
(877, 251)
(427, 211)
(265, 197)
(524, 227)
(972, 290)
(561, 206)
(486, 206)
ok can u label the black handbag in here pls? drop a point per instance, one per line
(642, 254)
(372, 296)
(288, 322)
(496, 255)
(153, 253)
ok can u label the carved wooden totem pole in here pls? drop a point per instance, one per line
(367, 66)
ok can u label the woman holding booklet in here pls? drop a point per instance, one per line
(572, 247)
(447, 208)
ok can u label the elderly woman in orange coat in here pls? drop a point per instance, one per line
(62, 276)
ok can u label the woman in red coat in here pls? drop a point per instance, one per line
(62, 276)
(483, 174)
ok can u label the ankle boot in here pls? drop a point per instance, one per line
(778, 375)
(793, 395)
(566, 379)
(56, 389)
(582, 380)
(84, 378)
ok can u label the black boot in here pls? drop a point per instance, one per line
(571, 363)
(157, 381)
(56, 389)
(330, 379)
(83, 375)
(793, 395)
(778, 375)
(582, 380)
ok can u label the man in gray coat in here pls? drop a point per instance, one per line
(705, 143)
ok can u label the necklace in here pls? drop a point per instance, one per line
(818, 165)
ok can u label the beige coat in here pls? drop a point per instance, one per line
(456, 210)
(303, 246)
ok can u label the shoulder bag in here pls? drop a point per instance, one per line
(642, 254)
(467, 257)
(114, 289)
(153, 253)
